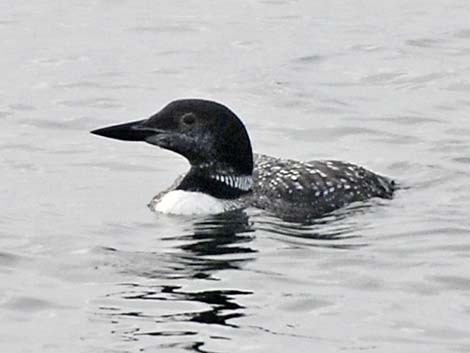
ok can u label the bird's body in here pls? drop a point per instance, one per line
(285, 186)
(225, 175)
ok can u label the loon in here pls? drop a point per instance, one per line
(225, 175)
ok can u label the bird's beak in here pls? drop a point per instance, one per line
(132, 131)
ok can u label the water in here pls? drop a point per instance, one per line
(85, 267)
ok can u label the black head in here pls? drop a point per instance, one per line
(205, 132)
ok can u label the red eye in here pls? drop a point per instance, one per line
(188, 119)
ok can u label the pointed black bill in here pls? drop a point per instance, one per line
(131, 131)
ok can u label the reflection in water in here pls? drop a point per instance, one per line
(173, 277)
(334, 230)
(221, 301)
(218, 242)
(224, 234)
(220, 234)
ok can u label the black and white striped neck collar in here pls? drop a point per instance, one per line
(222, 185)
(240, 182)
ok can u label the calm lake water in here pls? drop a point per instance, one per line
(86, 267)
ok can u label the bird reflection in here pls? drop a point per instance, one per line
(340, 229)
(216, 235)
(222, 302)
(226, 233)
(191, 271)
(216, 243)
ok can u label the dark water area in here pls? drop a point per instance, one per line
(86, 267)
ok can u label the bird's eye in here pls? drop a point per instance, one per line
(188, 119)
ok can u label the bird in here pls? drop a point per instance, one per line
(225, 175)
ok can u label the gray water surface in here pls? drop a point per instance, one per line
(86, 267)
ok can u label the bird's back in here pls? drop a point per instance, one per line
(315, 187)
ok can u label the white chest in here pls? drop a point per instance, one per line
(188, 203)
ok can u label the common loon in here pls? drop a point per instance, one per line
(225, 175)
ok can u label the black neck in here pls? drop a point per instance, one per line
(206, 181)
